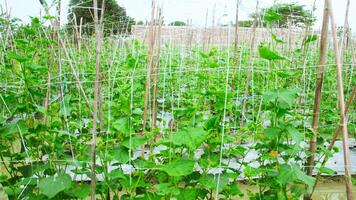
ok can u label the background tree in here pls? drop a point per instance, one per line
(115, 17)
(177, 23)
(245, 23)
(283, 13)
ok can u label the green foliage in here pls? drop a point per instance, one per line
(191, 137)
(281, 14)
(177, 23)
(245, 23)
(52, 185)
(268, 54)
(292, 173)
(183, 157)
(310, 38)
(179, 168)
(115, 17)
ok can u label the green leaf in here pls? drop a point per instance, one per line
(295, 134)
(271, 16)
(288, 174)
(120, 154)
(191, 137)
(268, 54)
(53, 185)
(284, 97)
(122, 125)
(276, 38)
(81, 191)
(179, 167)
(210, 181)
(326, 170)
(162, 188)
(13, 128)
(213, 64)
(19, 58)
(136, 142)
(272, 132)
(310, 38)
(251, 171)
(117, 174)
(187, 194)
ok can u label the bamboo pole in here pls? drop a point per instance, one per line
(235, 46)
(98, 44)
(48, 89)
(348, 104)
(71, 66)
(345, 31)
(249, 70)
(150, 41)
(156, 69)
(317, 96)
(343, 119)
(333, 140)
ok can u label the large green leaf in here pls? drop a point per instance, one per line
(291, 173)
(120, 154)
(81, 191)
(162, 188)
(53, 185)
(272, 132)
(295, 134)
(122, 125)
(271, 16)
(276, 38)
(285, 97)
(13, 128)
(187, 194)
(310, 38)
(210, 181)
(179, 167)
(117, 174)
(191, 137)
(135, 142)
(268, 54)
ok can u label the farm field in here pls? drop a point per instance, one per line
(87, 113)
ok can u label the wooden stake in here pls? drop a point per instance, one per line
(333, 140)
(345, 31)
(250, 65)
(317, 96)
(156, 69)
(236, 45)
(343, 120)
(150, 54)
(98, 44)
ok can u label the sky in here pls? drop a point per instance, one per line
(194, 10)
